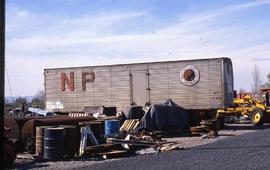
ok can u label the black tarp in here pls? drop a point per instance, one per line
(165, 116)
(135, 112)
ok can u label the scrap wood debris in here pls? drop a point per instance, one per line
(170, 146)
(147, 151)
(129, 125)
(139, 143)
(160, 145)
(101, 148)
(25, 156)
(205, 127)
(132, 142)
(114, 154)
(209, 135)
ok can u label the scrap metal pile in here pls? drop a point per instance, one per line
(129, 141)
(138, 131)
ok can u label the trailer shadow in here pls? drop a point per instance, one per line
(230, 147)
(235, 127)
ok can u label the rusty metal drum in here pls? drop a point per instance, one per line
(40, 140)
(53, 143)
(69, 141)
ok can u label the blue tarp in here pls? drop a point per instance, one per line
(40, 111)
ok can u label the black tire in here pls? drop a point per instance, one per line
(257, 117)
(220, 122)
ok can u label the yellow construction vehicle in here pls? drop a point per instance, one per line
(257, 110)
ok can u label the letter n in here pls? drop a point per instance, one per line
(69, 82)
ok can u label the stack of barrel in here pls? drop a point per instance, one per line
(55, 142)
(62, 141)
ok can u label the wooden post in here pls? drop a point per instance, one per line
(2, 72)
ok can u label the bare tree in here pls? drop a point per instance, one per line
(241, 91)
(19, 102)
(256, 82)
(39, 100)
(267, 84)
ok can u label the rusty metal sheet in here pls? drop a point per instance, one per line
(9, 122)
(28, 129)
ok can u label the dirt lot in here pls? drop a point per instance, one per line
(26, 161)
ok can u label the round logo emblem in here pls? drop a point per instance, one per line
(189, 75)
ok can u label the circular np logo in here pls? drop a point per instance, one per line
(189, 75)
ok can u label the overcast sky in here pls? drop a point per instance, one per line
(61, 33)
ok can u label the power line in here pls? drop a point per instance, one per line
(9, 86)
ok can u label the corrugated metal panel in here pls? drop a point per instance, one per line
(215, 90)
(165, 83)
(177, 91)
(112, 85)
(199, 93)
(102, 86)
(120, 87)
(159, 82)
(188, 96)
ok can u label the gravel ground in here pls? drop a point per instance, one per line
(247, 151)
(25, 161)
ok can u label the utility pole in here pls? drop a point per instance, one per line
(2, 75)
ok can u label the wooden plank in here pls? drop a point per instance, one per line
(136, 125)
(114, 154)
(130, 124)
(101, 148)
(126, 125)
(123, 126)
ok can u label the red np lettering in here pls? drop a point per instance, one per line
(87, 77)
(69, 82)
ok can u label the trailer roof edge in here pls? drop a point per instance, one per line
(154, 62)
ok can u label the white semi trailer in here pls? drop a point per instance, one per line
(198, 85)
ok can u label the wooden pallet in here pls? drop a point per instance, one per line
(129, 125)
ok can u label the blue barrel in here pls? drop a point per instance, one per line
(112, 127)
(53, 143)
